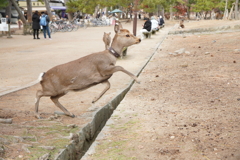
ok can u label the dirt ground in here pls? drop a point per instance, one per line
(22, 59)
(186, 107)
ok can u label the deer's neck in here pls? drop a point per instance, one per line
(117, 48)
(113, 52)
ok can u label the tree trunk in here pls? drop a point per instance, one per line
(48, 9)
(236, 12)
(9, 10)
(225, 16)
(19, 11)
(70, 14)
(188, 12)
(96, 11)
(230, 14)
(171, 12)
(161, 11)
(29, 11)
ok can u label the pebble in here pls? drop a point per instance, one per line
(20, 156)
(237, 51)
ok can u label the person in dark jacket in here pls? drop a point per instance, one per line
(161, 22)
(35, 25)
(46, 28)
(146, 27)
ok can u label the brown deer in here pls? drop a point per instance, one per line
(85, 72)
(181, 25)
(117, 27)
(107, 39)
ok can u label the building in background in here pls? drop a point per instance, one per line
(57, 7)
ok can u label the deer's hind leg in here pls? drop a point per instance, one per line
(56, 102)
(104, 91)
(39, 94)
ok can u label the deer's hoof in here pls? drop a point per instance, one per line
(73, 116)
(138, 82)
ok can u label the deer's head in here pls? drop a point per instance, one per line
(124, 38)
(107, 34)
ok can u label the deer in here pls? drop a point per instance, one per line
(118, 26)
(106, 39)
(181, 25)
(85, 72)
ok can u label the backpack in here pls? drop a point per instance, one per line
(43, 20)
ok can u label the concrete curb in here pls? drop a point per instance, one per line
(19, 88)
(207, 30)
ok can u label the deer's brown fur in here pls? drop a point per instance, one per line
(84, 72)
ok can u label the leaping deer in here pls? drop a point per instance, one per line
(85, 72)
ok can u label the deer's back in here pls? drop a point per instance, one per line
(78, 74)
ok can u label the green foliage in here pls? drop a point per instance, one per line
(208, 5)
(3, 3)
(152, 5)
(86, 6)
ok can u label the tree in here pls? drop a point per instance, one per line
(189, 4)
(225, 10)
(9, 9)
(48, 9)
(3, 3)
(86, 6)
(236, 10)
(21, 16)
(29, 11)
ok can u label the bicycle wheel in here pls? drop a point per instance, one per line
(62, 28)
(69, 27)
(52, 29)
(75, 27)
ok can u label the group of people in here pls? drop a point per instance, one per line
(36, 18)
(151, 24)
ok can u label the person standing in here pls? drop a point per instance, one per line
(45, 25)
(8, 20)
(35, 25)
(139, 16)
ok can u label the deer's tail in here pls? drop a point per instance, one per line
(40, 77)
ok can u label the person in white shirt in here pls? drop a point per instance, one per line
(154, 24)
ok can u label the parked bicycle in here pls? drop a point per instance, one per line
(62, 26)
(81, 23)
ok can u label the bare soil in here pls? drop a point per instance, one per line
(186, 107)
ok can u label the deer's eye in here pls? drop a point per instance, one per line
(127, 35)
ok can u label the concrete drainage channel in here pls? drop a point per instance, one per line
(77, 148)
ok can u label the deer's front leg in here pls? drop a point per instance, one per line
(113, 69)
(104, 91)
